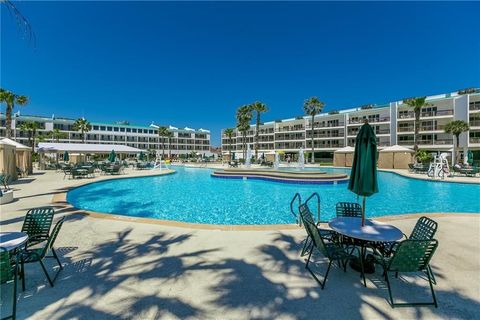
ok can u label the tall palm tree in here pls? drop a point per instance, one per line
(456, 128)
(162, 133)
(258, 108)
(169, 136)
(229, 133)
(416, 104)
(31, 128)
(312, 107)
(83, 126)
(10, 99)
(244, 116)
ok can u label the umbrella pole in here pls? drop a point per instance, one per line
(363, 211)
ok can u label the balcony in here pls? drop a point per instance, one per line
(474, 123)
(325, 125)
(474, 140)
(371, 120)
(474, 106)
(424, 114)
(324, 135)
(288, 129)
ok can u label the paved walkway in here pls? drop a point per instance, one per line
(128, 270)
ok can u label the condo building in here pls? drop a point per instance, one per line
(184, 141)
(393, 124)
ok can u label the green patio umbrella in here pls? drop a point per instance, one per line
(363, 178)
(112, 156)
(470, 157)
(66, 157)
(141, 157)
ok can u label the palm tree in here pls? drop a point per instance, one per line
(244, 116)
(456, 128)
(162, 132)
(258, 108)
(10, 99)
(31, 128)
(56, 135)
(312, 107)
(169, 136)
(417, 104)
(83, 126)
(23, 24)
(229, 133)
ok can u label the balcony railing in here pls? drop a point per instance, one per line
(474, 123)
(325, 125)
(474, 139)
(474, 106)
(424, 114)
(320, 135)
(371, 120)
(287, 129)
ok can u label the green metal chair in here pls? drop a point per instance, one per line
(424, 229)
(410, 256)
(8, 274)
(31, 255)
(331, 250)
(37, 224)
(348, 209)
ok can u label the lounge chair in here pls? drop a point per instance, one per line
(8, 274)
(333, 251)
(411, 256)
(31, 255)
(37, 224)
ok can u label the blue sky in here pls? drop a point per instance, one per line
(193, 64)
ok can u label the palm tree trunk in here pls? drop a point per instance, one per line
(417, 130)
(34, 133)
(313, 145)
(256, 135)
(163, 149)
(245, 145)
(457, 151)
(230, 147)
(169, 149)
(8, 121)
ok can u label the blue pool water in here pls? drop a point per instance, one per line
(192, 195)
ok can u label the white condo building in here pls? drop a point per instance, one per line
(184, 141)
(393, 124)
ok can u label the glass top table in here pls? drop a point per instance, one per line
(374, 231)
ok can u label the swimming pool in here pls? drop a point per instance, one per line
(192, 195)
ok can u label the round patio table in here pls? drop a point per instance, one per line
(372, 231)
(12, 240)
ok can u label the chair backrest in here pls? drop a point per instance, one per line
(6, 269)
(53, 236)
(348, 209)
(38, 222)
(413, 255)
(311, 228)
(424, 229)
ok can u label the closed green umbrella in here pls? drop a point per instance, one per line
(66, 157)
(112, 156)
(363, 178)
(470, 157)
(141, 157)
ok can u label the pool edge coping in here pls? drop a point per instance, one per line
(60, 199)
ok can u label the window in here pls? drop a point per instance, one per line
(134, 130)
(115, 129)
(129, 130)
(122, 129)
(109, 128)
(102, 128)
(95, 127)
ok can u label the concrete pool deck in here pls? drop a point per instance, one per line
(125, 269)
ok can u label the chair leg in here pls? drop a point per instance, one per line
(308, 259)
(363, 271)
(326, 274)
(431, 289)
(429, 270)
(46, 273)
(58, 260)
(22, 270)
(306, 246)
(14, 308)
(389, 290)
